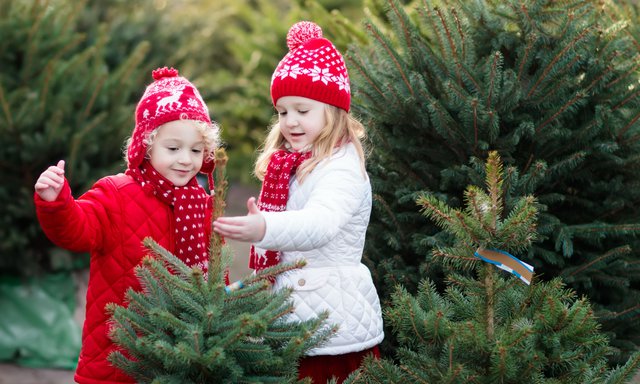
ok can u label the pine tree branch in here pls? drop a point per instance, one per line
(360, 67)
(557, 58)
(559, 87)
(430, 17)
(474, 107)
(462, 222)
(613, 252)
(624, 130)
(530, 22)
(495, 64)
(444, 120)
(531, 39)
(390, 214)
(489, 302)
(480, 210)
(400, 16)
(374, 32)
(446, 255)
(461, 34)
(464, 70)
(632, 71)
(6, 110)
(605, 228)
(452, 46)
(97, 90)
(578, 96)
(49, 69)
(624, 102)
(626, 311)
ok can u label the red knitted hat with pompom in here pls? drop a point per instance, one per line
(170, 97)
(313, 68)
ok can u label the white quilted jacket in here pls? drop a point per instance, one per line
(325, 223)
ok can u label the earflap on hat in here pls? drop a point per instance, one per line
(313, 68)
(170, 97)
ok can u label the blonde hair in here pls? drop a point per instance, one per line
(341, 128)
(210, 136)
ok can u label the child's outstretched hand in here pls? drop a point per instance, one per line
(50, 182)
(247, 228)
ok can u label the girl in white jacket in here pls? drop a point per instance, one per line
(315, 204)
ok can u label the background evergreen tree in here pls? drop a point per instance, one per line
(59, 98)
(553, 87)
(186, 328)
(488, 326)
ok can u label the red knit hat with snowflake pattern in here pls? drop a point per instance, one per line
(170, 97)
(313, 68)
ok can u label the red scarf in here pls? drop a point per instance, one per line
(274, 196)
(189, 207)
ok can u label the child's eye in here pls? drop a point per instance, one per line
(172, 148)
(282, 113)
(302, 112)
(196, 150)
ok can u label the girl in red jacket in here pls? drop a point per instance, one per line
(158, 196)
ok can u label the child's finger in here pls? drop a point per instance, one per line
(59, 168)
(45, 182)
(252, 207)
(224, 229)
(233, 220)
(41, 186)
(54, 174)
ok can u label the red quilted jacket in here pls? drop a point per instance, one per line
(109, 221)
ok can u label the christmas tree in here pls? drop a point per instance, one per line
(60, 98)
(184, 327)
(553, 87)
(490, 326)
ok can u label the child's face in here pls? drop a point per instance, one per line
(177, 151)
(301, 120)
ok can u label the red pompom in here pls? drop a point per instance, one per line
(164, 72)
(302, 32)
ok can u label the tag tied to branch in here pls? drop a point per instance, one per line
(507, 262)
(234, 286)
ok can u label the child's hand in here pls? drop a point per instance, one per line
(50, 182)
(248, 228)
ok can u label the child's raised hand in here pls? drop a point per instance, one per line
(50, 182)
(247, 228)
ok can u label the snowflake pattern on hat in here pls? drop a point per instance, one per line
(313, 68)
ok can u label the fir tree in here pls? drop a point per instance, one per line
(185, 328)
(553, 87)
(61, 97)
(488, 327)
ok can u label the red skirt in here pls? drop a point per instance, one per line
(323, 367)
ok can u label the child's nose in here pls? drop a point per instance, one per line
(292, 121)
(185, 157)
